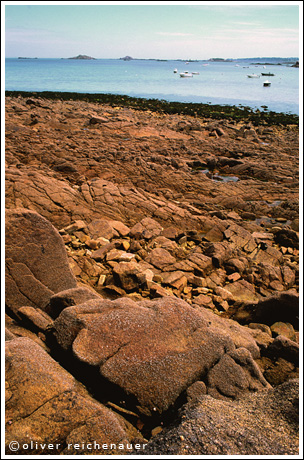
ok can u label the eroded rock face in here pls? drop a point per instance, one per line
(76, 180)
(235, 374)
(153, 350)
(36, 261)
(45, 404)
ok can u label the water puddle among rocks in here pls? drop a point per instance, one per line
(274, 203)
(268, 212)
(271, 221)
(218, 177)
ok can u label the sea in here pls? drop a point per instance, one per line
(214, 82)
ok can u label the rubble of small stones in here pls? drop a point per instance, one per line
(152, 261)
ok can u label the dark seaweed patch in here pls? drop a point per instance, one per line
(215, 111)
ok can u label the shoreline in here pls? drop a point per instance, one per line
(199, 110)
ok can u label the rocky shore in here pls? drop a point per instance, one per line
(152, 281)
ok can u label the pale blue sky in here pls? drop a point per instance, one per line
(160, 30)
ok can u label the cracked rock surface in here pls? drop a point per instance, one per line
(46, 404)
(31, 241)
(152, 282)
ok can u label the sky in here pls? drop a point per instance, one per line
(152, 30)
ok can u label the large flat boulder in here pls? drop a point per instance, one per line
(152, 350)
(36, 261)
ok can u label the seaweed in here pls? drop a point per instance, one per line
(198, 110)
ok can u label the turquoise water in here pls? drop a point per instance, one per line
(217, 82)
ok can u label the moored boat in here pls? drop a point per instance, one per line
(185, 74)
(253, 75)
(269, 74)
(266, 83)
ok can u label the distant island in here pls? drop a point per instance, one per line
(82, 56)
(129, 58)
(220, 60)
(262, 61)
(187, 60)
(293, 62)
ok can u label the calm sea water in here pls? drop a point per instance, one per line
(217, 82)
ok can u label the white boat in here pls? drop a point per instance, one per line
(253, 75)
(266, 83)
(185, 74)
(195, 73)
(175, 71)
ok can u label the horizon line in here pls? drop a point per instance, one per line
(156, 59)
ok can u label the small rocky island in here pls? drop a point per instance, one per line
(126, 58)
(83, 56)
